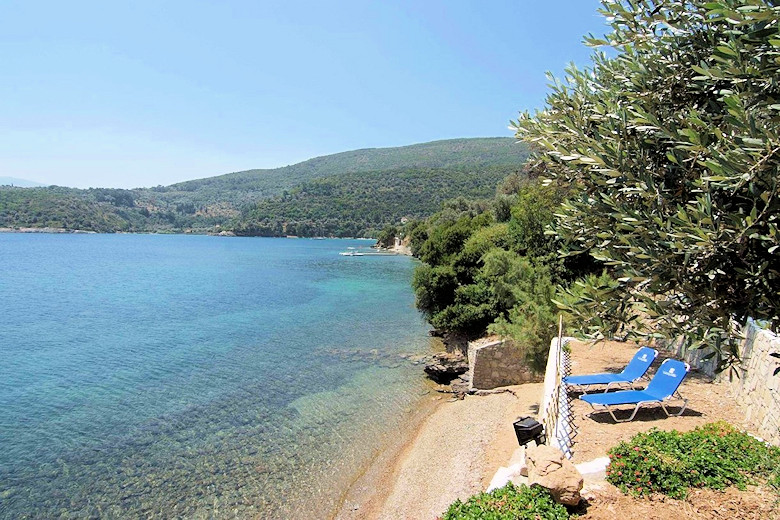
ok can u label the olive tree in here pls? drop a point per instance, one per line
(670, 144)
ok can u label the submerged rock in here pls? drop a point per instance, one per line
(446, 366)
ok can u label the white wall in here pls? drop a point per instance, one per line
(752, 384)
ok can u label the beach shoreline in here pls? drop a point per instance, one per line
(372, 486)
(450, 451)
(454, 448)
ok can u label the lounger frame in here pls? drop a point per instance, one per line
(611, 385)
(600, 387)
(674, 397)
(672, 393)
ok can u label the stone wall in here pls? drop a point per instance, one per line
(497, 363)
(753, 385)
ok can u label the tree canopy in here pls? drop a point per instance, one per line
(491, 266)
(671, 146)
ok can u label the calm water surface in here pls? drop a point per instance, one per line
(199, 377)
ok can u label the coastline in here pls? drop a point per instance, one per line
(369, 490)
(222, 234)
(46, 230)
(450, 451)
(454, 451)
(398, 249)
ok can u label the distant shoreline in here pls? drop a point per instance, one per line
(51, 230)
(64, 231)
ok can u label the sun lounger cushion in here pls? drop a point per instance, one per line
(635, 369)
(662, 387)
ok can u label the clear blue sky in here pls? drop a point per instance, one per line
(128, 94)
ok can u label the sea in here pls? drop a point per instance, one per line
(177, 376)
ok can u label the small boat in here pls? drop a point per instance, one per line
(352, 253)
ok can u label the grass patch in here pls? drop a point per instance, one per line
(712, 456)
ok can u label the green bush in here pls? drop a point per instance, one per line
(483, 240)
(712, 456)
(508, 503)
(386, 237)
(496, 270)
(526, 291)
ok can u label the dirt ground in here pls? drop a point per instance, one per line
(597, 432)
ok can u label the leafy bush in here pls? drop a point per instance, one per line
(508, 503)
(476, 246)
(474, 308)
(434, 288)
(526, 289)
(491, 265)
(713, 456)
(386, 237)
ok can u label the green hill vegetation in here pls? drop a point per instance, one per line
(347, 194)
(661, 168)
(361, 203)
(56, 207)
(490, 265)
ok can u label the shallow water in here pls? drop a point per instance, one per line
(201, 377)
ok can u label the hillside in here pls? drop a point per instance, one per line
(362, 203)
(252, 185)
(345, 194)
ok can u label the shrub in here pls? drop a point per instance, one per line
(527, 290)
(508, 503)
(712, 456)
(386, 237)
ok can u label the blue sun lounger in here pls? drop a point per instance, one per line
(662, 389)
(634, 371)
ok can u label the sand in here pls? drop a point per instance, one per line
(452, 453)
(708, 402)
(453, 448)
(597, 432)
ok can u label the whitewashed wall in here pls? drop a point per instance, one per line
(753, 384)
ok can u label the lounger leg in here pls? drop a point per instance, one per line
(685, 404)
(609, 409)
(638, 406)
(633, 414)
(612, 414)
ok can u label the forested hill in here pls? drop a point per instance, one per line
(252, 185)
(362, 203)
(345, 194)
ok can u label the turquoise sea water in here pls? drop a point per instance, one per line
(198, 377)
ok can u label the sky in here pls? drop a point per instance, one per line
(146, 93)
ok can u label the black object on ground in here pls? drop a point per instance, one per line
(527, 430)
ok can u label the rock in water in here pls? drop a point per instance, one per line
(550, 469)
(446, 366)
